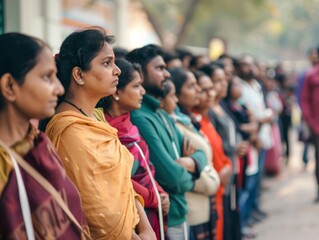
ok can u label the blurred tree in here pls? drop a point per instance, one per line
(267, 28)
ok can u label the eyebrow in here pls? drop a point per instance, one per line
(108, 57)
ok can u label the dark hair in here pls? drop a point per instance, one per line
(198, 74)
(126, 76)
(182, 53)
(18, 55)
(179, 77)
(78, 50)
(167, 87)
(144, 55)
(209, 69)
(120, 52)
(169, 56)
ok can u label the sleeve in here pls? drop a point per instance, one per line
(306, 101)
(149, 196)
(169, 174)
(5, 168)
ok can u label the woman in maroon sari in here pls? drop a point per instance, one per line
(128, 97)
(37, 199)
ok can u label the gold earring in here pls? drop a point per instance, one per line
(80, 82)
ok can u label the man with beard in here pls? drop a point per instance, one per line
(175, 171)
(253, 98)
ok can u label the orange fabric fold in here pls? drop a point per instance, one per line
(100, 167)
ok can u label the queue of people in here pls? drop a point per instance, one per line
(141, 144)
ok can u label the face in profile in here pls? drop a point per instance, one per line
(207, 94)
(102, 78)
(38, 95)
(170, 100)
(156, 75)
(189, 93)
(130, 98)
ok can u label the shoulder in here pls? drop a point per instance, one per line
(5, 167)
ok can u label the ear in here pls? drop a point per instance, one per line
(77, 74)
(8, 87)
(116, 96)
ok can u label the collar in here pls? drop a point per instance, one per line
(151, 102)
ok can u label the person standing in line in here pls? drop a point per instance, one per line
(304, 132)
(29, 89)
(91, 152)
(202, 204)
(175, 172)
(309, 106)
(117, 111)
(221, 162)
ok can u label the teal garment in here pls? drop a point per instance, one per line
(174, 179)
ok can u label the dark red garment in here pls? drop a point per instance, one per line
(49, 220)
(310, 99)
(128, 135)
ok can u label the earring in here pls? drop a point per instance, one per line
(80, 82)
(117, 98)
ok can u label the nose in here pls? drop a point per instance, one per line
(143, 91)
(59, 89)
(166, 73)
(176, 99)
(117, 70)
(198, 89)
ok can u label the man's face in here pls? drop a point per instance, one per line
(246, 69)
(156, 75)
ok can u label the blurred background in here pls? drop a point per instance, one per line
(272, 31)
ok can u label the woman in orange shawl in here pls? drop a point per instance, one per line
(89, 147)
(221, 163)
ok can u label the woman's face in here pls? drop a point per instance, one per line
(207, 94)
(130, 98)
(220, 83)
(102, 77)
(235, 90)
(189, 94)
(170, 101)
(37, 97)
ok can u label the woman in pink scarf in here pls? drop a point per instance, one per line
(117, 107)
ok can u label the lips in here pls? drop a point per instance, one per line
(116, 81)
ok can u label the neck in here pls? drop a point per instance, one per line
(13, 126)
(115, 110)
(81, 101)
(202, 111)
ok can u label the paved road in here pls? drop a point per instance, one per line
(288, 199)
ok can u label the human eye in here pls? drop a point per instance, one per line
(106, 63)
(48, 77)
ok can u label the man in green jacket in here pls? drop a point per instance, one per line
(174, 172)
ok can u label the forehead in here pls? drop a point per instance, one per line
(205, 81)
(156, 61)
(106, 50)
(45, 59)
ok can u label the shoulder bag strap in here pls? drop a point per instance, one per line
(46, 185)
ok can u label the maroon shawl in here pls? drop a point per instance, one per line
(49, 221)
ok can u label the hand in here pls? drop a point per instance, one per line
(187, 163)
(165, 203)
(143, 228)
(188, 147)
(225, 175)
(242, 148)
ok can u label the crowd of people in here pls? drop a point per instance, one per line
(141, 144)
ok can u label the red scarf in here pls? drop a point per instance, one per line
(129, 135)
